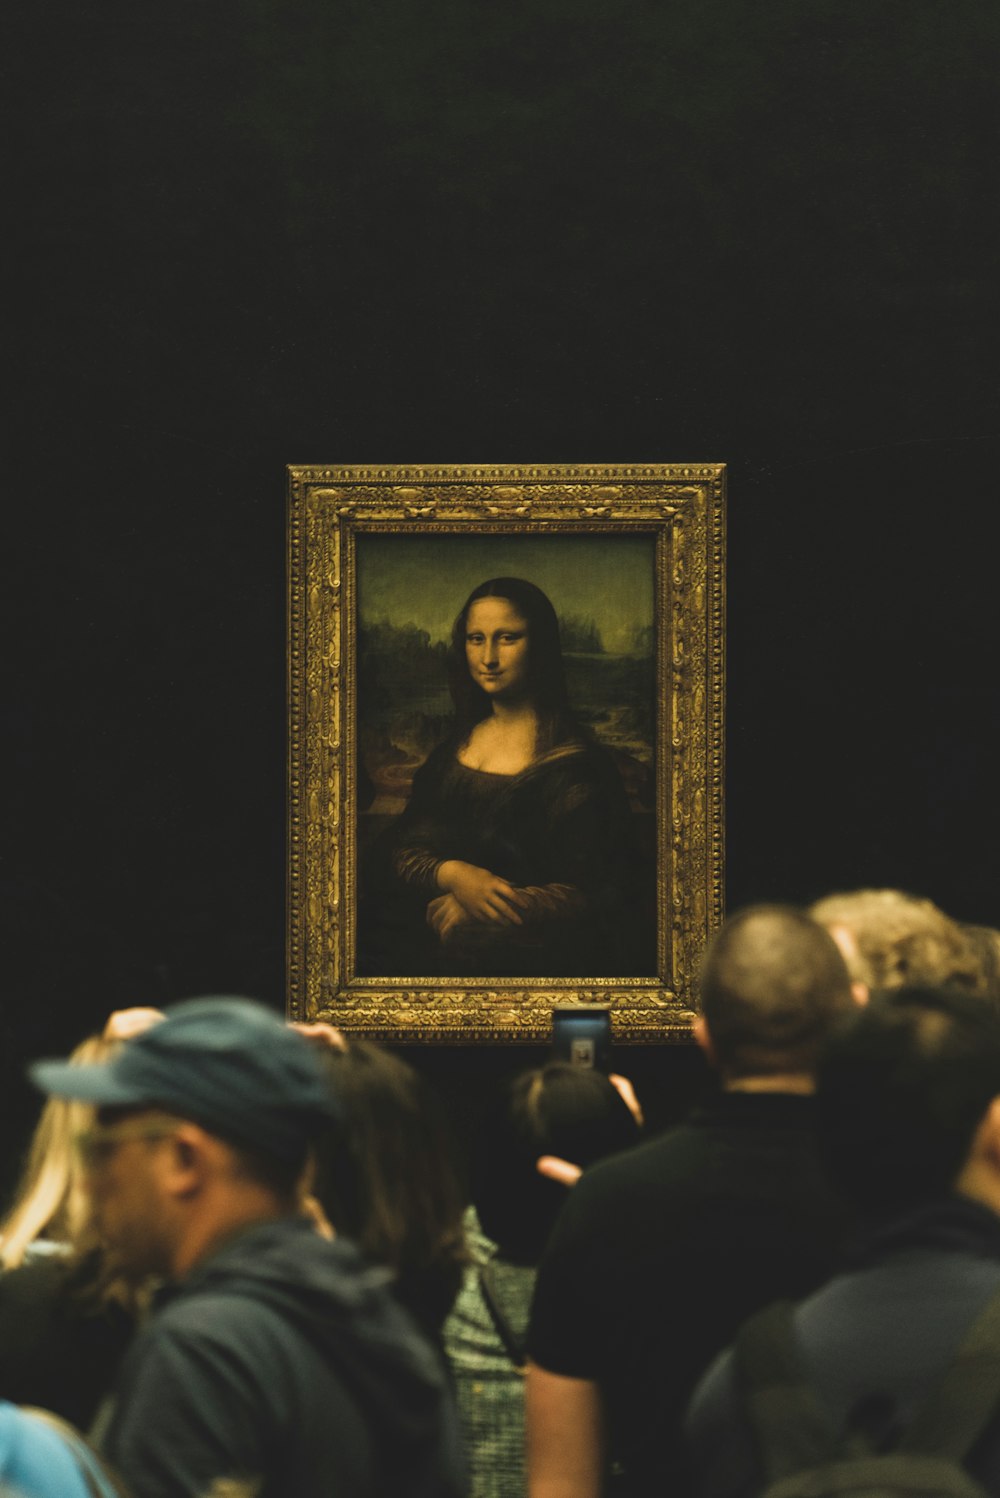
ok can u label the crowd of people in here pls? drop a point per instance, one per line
(244, 1261)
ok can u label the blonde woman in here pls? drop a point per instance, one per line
(65, 1317)
(50, 1211)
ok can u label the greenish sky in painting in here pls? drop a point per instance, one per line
(424, 580)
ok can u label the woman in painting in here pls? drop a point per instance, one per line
(514, 855)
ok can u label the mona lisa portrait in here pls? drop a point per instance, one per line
(515, 854)
(505, 746)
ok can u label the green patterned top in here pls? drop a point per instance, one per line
(489, 1386)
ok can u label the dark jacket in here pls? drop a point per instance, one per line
(60, 1344)
(873, 1342)
(284, 1359)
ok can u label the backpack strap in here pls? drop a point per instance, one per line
(515, 1347)
(957, 1412)
(791, 1429)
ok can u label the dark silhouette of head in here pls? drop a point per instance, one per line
(902, 1087)
(546, 674)
(574, 1112)
(773, 983)
(386, 1176)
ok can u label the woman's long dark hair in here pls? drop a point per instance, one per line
(546, 673)
(387, 1177)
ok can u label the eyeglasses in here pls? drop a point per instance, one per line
(96, 1146)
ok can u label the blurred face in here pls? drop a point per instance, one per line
(496, 647)
(123, 1161)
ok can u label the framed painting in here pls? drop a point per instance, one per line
(506, 745)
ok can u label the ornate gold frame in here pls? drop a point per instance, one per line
(683, 506)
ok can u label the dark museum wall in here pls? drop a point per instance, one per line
(252, 233)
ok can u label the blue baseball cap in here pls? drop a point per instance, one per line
(229, 1064)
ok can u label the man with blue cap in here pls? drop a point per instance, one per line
(276, 1362)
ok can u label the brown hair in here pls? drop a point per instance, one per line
(386, 1177)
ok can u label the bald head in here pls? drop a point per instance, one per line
(773, 984)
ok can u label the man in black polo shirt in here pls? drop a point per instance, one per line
(661, 1253)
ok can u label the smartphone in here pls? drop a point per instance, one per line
(581, 1034)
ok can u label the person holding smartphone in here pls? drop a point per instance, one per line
(568, 1116)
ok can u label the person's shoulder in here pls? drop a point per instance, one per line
(629, 1178)
(577, 763)
(576, 750)
(583, 766)
(281, 1265)
(281, 1291)
(671, 1161)
(212, 1317)
(213, 1351)
(715, 1395)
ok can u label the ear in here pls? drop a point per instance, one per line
(986, 1143)
(187, 1161)
(861, 992)
(703, 1038)
(979, 1177)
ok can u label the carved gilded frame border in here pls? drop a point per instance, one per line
(683, 506)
